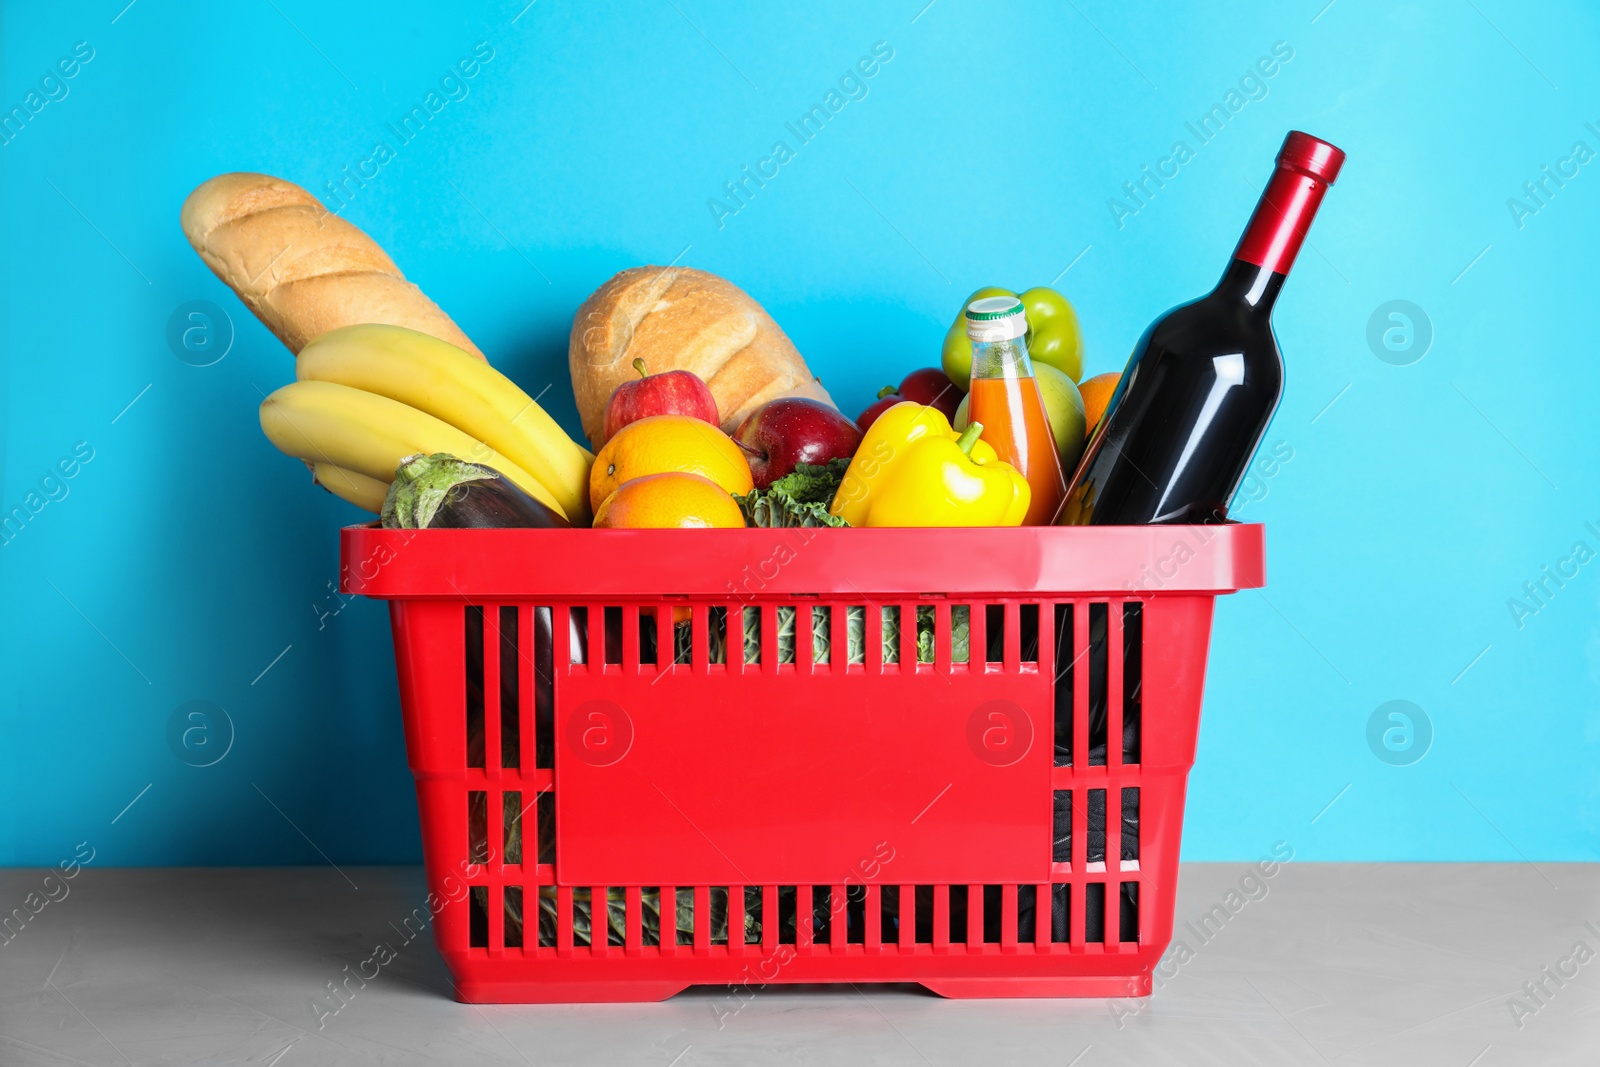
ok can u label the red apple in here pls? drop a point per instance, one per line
(675, 392)
(928, 386)
(791, 430)
(932, 387)
(888, 397)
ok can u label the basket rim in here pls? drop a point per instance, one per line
(754, 564)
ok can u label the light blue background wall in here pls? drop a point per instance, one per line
(188, 553)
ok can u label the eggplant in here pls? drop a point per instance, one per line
(441, 492)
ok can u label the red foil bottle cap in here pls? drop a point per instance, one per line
(1305, 168)
(1307, 154)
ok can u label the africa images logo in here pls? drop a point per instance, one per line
(1251, 87)
(852, 85)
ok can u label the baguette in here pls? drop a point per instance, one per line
(300, 268)
(678, 318)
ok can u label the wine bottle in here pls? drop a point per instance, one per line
(1193, 402)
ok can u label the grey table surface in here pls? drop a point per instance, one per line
(1342, 964)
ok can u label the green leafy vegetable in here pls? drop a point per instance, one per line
(822, 634)
(799, 498)
(542, 922)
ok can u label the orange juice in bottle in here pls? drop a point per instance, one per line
(1005, 398)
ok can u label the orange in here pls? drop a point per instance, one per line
(668, 443)
(1096, 393)
(666, 500)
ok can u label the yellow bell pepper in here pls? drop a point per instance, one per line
(912, 469)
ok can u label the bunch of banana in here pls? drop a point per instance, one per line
(368, 396)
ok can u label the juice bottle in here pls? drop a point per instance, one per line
(1005, 398)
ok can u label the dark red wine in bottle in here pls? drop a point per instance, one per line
(1183, 423)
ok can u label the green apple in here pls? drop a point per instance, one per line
(1063, 406)
(1054, 337)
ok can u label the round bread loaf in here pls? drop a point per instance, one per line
(678, 318)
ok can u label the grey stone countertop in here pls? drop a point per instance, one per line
(1466, 964)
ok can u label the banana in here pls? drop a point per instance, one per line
(321, 422)
(440, 379)
(358, 489)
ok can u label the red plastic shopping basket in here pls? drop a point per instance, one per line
(636, 773)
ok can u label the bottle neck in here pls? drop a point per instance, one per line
(1276, 231)
(1001, 359)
